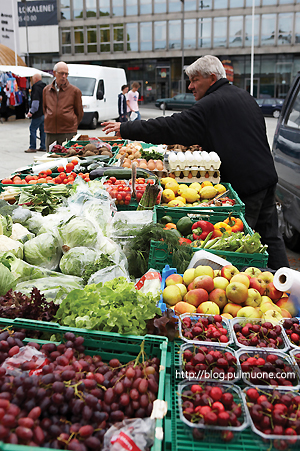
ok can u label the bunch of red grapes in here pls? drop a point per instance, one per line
(259, 335)
(74, 399)
(268, 370)
(292, 329)
(211, 405)
(210, 329)
(218, 362)
(275, 413)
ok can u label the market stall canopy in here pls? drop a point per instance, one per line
(7, 56)
(24, 71)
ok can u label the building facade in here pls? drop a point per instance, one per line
(145, 37)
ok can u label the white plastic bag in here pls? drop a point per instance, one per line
(133, 116)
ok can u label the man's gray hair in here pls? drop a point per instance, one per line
(205, 66)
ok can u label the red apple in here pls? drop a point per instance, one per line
(196, 297)
(285, 313)
(257, 284)
(218, 296)
(173, 279)
(205, 282)
(232, 308)
(229, 271)
(184, 307)
(237, 292)
(242, 278)
(286, 304)
(272, 292)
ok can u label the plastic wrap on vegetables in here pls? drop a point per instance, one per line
(75, 261)
(44, 250)
(78, 231)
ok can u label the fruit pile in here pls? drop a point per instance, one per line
(118, 190)
(211, 405)
(74, 398)
(206, 328)
(215, 360)
(229, 292)
(271, 369)
(292, 330)
(275, 413)
(196, 194)
(258, 334)
(140, 187)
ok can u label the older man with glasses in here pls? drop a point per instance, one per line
(62, 106)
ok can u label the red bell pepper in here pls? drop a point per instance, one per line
(184, 241)
(201, 229)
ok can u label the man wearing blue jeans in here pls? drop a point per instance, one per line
(36, 114)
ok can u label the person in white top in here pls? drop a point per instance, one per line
(132, 99)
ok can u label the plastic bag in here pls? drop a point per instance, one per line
(109, 273)
(126, 223)
(133, 116)
(14, 365)
(135, 434)
(150, 282)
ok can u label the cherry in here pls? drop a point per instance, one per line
(227, 399)
(252, 394)
(223, 418)
(218, 406)
(227, 436)
(196, 389)
(210, 418)
(216, 393)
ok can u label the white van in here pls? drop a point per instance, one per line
(100, 87)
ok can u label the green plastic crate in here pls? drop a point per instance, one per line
(159, 256)
(238, 207)
(109, 345)
(177, 438)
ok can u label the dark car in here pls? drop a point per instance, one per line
(178, 102)
(270, 107)
(286, 152)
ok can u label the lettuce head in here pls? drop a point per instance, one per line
(75, 261)
(44, 250)
(78, 231)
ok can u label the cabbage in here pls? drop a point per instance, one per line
(7, 244)
(75, 261)
(34, 222)
(21, 215)
(78, 231)
(20, 233)
(44, 250)
(54, 288)
(5, 225)
(7, 280)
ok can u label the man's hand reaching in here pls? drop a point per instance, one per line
(111, 127)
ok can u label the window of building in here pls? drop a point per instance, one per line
(269, 2)
(205, 4)
(248, 30)
(160, 35)
(285, 26)
(268, 27)
(235, 31)
(91, 8)
(118, 30)
(236, 3)
(174, 6)
(249, 3)
(117, 7)
(175, 34)
(146, 6)
(92, 39)
(283, 2)
(220, 31)
(190, 34)
(132, 37)
(77, 9)
(220, 4)
(160, 6)
(66, 40)
(190, 5)
(104, 38)
(104, 7)
(78, 40)
(145, 36)
(204, 31)
(297, 28)
(65, 9)
(131, 7)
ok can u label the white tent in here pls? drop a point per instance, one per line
(24, 71)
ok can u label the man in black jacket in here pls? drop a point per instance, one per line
(227, 120)
(36, 114)
(122, 104)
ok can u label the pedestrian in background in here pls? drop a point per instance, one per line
(36, 114)
(122, 104)
(62, 107)
(132, 100)
(3, 106)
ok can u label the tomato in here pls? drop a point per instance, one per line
(73, 174)
(60, 169)
(151, 181)
(128, 197)
(65, 181)
(69, 167)
(127, 202)
(48, 171)
(22, 182)
(138, 196)
(42, 180)
(27, 178)
(63, 175)
(48, 178)
(119, 197)
(126, 189)
(114, 194)
(140, 180)
(74, 162)
(112, 179)
(32, 182)
(6, 181)
(121, 202)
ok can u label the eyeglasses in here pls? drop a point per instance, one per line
(63, 73)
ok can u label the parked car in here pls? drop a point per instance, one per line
(270, 107)
(178, 102)
(286, 152)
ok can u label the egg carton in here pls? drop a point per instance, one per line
(188, 176)
(197, 159)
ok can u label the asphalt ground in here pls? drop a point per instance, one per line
(14, 140)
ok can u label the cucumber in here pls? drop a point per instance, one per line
(120, 173)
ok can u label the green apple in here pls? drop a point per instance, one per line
(203, 270)
(188, 276)
(221, 282)
(252, 271)
(182, 288)
(254, 298)
(242, 278)
(209, 308)
(247, 312)
(266, 276)
(269, 306)
(237, 292)
(272, 316)
(172, 295)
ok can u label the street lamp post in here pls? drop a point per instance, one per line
(182, 49)
(27, 44)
